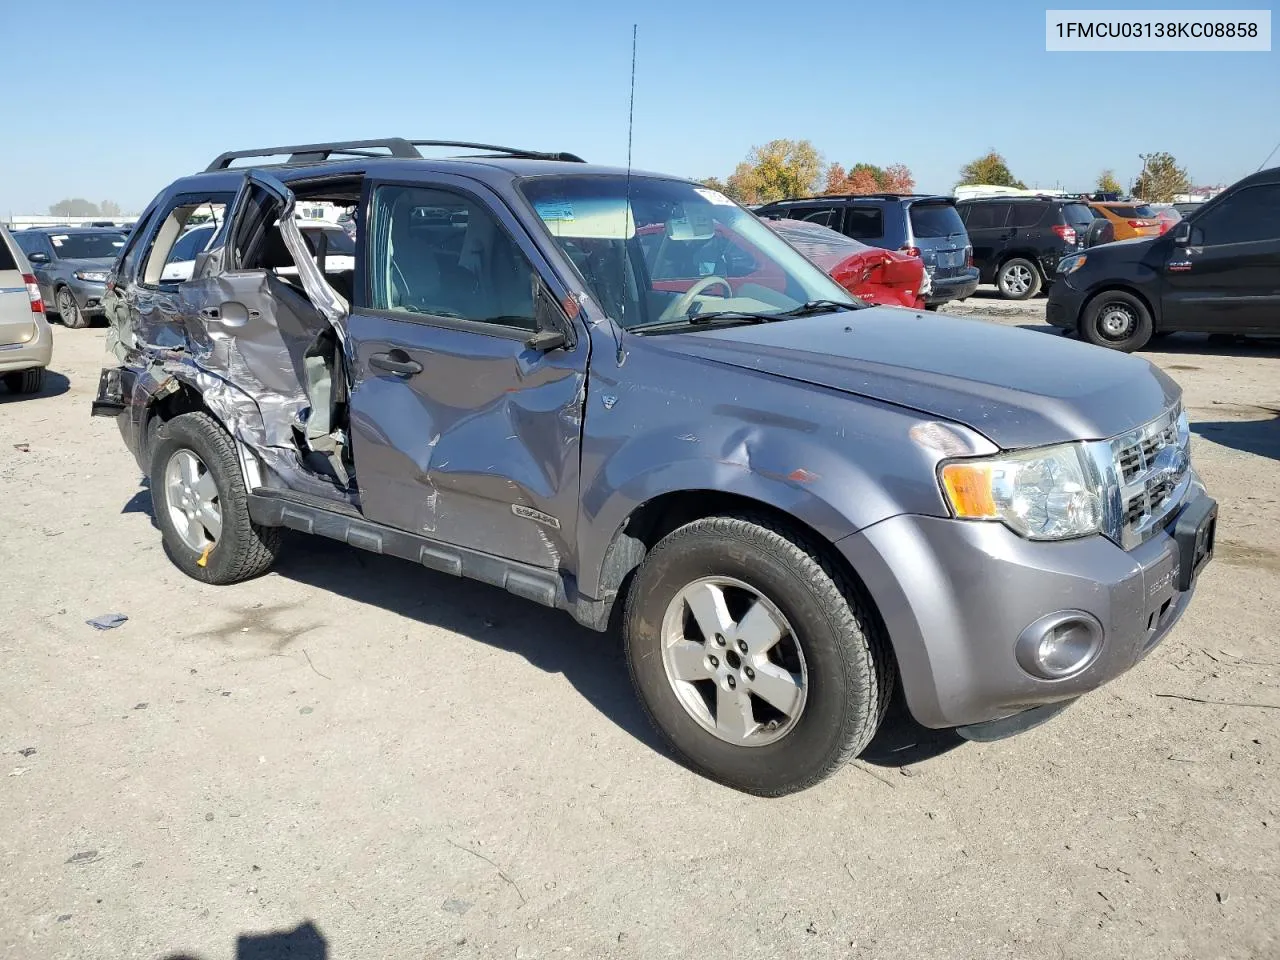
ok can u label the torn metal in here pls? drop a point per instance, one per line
(267, 360)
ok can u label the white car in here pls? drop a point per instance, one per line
(340, 256)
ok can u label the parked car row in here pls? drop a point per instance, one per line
(1216, 271)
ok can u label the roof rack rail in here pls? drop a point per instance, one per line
(393, 146)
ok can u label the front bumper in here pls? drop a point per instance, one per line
(955, 595)
(1064, 304)
(88, 295)
(36, 352)
(954, 288)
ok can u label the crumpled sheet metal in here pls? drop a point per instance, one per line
(245, 353)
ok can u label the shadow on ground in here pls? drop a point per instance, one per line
(548, 639)
(592, 662)
(55, 385)
(303, 942)
(1260, 437)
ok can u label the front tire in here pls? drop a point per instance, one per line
(201, 504)
(753, 656)
(25, 381)
(1018, 279)
(1117, 320)
(69, 310)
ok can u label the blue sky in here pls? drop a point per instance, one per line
(156, 89)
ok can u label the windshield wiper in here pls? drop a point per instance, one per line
(816, 306)
(711, 316)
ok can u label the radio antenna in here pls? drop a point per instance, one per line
(626, 200)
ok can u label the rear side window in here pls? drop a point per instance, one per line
(823, 216)
(863, 223)
(1027, 214)
(1252, 215)
(984, 216)
(30, 242)
(932, 220)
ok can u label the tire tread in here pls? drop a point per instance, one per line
(842, 605)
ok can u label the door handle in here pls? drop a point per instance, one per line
(210, 313)
(397, 362)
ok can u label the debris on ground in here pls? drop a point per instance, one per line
(108, 621)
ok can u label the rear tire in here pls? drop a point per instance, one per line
(196, 482)
(818, 692)
(69, 310)
(25, 381)
(1018, 279)
(1117, 320)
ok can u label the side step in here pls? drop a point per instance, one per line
(278, 508)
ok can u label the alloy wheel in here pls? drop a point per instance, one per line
(191, 497)
(1017, 280)
(734, 661)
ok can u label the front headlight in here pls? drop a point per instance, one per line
(1052, 493)
(1072, 263)
(92, 276)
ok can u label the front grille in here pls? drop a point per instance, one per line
(1154, 467)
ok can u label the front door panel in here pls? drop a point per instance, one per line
(478, 449)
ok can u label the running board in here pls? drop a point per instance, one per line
(277, 508)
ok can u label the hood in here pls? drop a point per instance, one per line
(1019, 388)
(89, 263)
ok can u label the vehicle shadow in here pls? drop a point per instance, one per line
(1260, 437)
(303, 942)
(55, 385)
(593, 663)
(1218, 345)
(142, 502)
(901, 741)
(548, 639)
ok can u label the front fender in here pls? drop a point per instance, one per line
(834, 462)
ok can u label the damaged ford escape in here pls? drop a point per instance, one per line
(609, 391)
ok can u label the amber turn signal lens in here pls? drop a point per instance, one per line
(968, 487)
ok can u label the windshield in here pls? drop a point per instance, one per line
(932, 220)
(676, 251)
(87, 246)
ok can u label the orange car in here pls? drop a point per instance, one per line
(1130, 219)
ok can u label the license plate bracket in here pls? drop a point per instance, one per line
(1194, 533)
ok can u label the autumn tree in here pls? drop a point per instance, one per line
(779, 169)
(1161, 178)
(864, 178)
(991, 169)
(1107, 182)
(897, 179)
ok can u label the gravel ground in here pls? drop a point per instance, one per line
(352, 757)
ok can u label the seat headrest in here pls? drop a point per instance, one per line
(275, 253)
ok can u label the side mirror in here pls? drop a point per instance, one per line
(37, 258)
(1182, 233)
(552, 328)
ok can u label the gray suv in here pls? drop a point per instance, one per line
(70, 266)
(791, 501)
(923, 226)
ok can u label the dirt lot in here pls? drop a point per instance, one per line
(354, 755)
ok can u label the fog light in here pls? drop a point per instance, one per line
(1059, 645)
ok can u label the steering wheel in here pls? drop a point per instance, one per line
(680, 306)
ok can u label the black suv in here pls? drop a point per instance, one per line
(1215, 272)
(1018, 241)
(922, 226)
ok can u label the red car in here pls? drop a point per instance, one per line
(883, 277)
